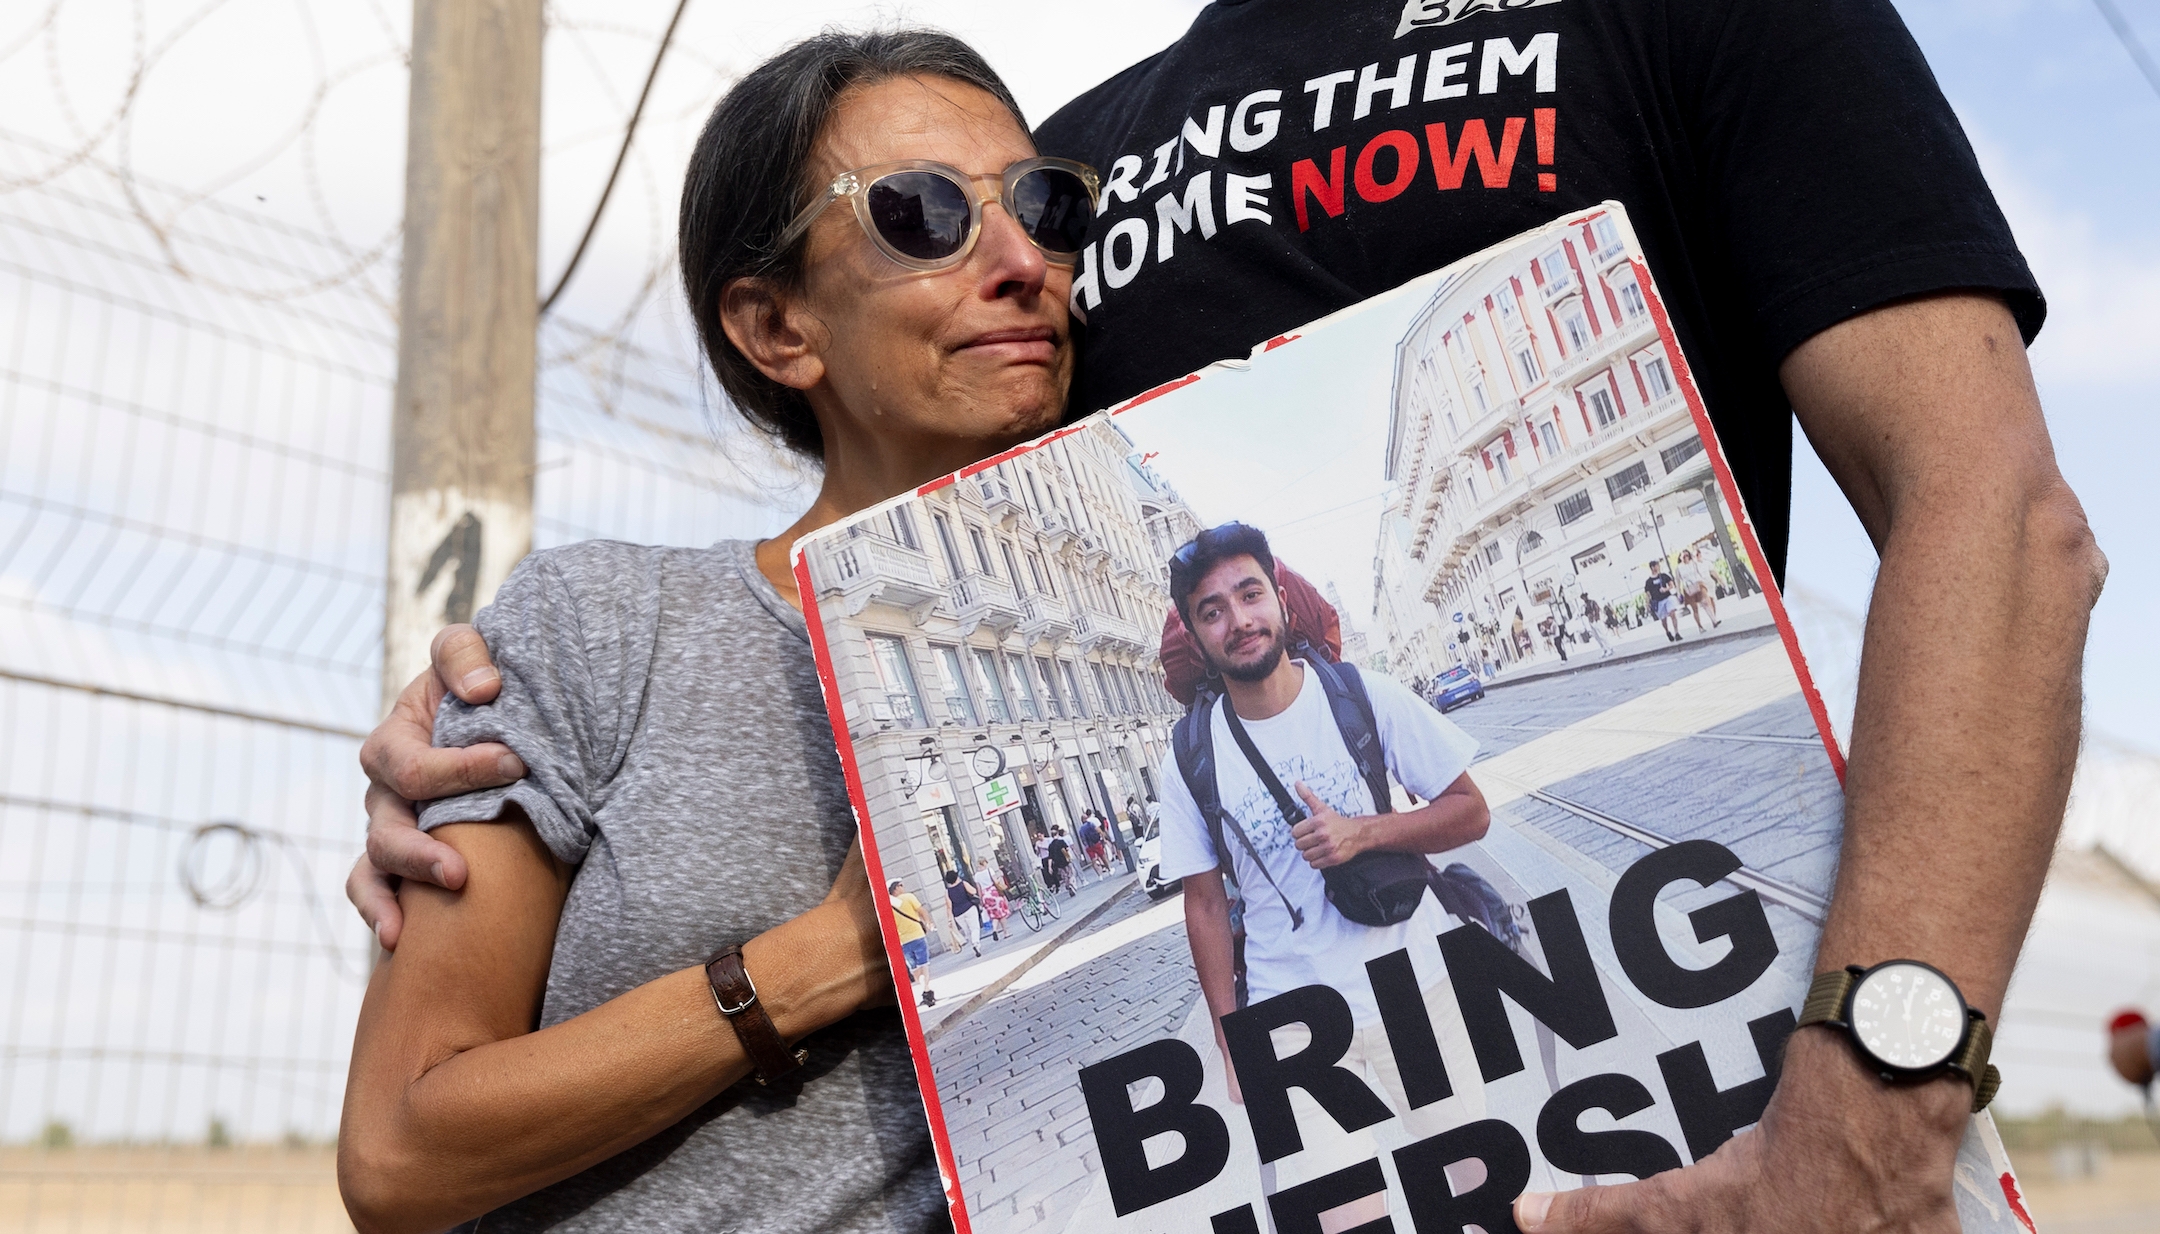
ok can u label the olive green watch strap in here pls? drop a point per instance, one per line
(1825, 1004)
(1973, 1062)
(1826, 998)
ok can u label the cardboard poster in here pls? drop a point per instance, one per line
(1514, 526)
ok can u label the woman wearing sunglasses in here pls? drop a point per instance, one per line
(661, 1000)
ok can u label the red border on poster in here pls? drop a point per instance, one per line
(865, 835)
(918, 1044)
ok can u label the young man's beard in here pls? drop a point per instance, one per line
(1256, 670)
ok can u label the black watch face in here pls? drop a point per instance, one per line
(1908, 1016)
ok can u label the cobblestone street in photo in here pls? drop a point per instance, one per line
(1008, 1070)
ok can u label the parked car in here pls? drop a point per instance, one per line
(1455, 687)
(1149, 853)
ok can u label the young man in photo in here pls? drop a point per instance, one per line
(1223, 584)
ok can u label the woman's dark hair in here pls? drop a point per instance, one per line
(749, 176)
(1209, 549)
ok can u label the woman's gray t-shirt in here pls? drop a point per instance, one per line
(667, 708)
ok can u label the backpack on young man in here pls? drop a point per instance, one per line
(1371, 889)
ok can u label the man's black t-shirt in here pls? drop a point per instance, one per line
(1786, 164)
(1657, 587)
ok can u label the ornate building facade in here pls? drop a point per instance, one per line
(1541, 450)
(996, 644)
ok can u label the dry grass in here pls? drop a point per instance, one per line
(2121, 1194)
(170, 1190)
(272, 1190)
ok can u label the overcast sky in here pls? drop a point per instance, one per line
(296, 107)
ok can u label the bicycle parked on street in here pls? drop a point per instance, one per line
(1030, 905)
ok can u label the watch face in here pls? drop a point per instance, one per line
(1908, 1016)
(988, 761)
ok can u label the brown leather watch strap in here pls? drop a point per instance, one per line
(736, 997)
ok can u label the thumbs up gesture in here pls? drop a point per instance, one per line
(1327, 838)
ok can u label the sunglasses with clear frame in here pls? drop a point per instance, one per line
(927, 215)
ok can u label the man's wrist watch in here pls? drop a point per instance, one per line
(1907, 1021)
(736, 996)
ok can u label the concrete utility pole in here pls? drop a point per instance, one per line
(462, 429)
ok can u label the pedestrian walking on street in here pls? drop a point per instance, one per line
(1520, 631)
(1061, 862)
(1554, 627)
(1091, 842)
(1664, 605)
(914, 929)
(1076, 851)
(1135, 820)
(1594, 618)
(1695, 589)
(995, 906)
(965, 902)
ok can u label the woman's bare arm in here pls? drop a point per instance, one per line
(455, 1105)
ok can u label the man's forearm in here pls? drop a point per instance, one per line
(1450, 820)
(1963, 742)
(1965, 732)
(1965, 735)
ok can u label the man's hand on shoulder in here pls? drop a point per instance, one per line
(1837, 1152)
(403, 766)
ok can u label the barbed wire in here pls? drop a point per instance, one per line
(106, 137)
(194, 405)
(629, 135)
(116, 129)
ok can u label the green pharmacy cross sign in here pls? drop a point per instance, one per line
(997, 795)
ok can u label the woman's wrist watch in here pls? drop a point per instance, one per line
(736, 996)
(1907, 1021)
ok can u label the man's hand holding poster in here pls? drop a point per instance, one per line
(1510, 883)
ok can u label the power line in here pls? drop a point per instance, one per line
(629, 131)
(2129, 40)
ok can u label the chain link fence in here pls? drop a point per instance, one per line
(194, 429)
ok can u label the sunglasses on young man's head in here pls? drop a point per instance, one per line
(1181, 561)
(927, 216)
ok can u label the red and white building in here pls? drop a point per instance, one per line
(1536, 414)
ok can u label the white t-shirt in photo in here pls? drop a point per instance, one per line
(1425, 751)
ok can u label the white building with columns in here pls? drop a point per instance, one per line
(995, 645)
(1541, 450)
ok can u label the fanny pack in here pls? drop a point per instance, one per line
(1371, 889)
(1377, 888)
